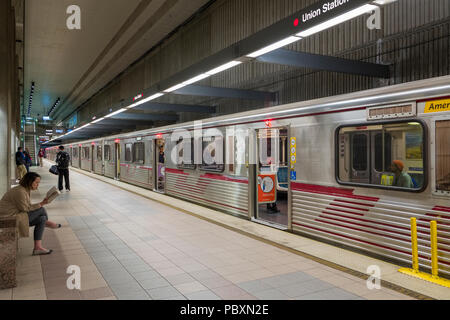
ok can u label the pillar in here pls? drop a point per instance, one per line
(7, 91)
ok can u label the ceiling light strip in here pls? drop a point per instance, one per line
(274, 46)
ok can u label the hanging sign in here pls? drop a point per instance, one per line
(267, 188)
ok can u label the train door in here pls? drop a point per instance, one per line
(117, 156)
(360, 148)
(159, 160)
(92, 157)
(272, 178)
(79, 157)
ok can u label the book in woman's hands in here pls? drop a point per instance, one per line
(52, 194)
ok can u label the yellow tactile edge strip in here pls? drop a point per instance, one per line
(358, 274)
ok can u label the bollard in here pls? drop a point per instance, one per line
(414, 248)
(414, 272)
(434, 251)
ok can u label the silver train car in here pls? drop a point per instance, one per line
(320, 168)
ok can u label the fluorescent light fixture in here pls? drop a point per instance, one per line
(197, 78)
(224, 67)
(383, 2)
(276, 45)
(174, 88)
(190, 81)
(153, 97)
(98, 120)
(337, 20)
(116, 112)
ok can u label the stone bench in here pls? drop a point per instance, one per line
(8, 252)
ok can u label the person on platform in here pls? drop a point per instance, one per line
(16, 203)
(401, 178)
(41, 156)
(28, 160)
(20, 163)
(62, 162)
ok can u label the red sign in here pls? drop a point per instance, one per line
(267, 188)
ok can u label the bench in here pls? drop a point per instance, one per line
(8, 252)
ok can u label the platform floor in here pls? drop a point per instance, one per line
(130, 247)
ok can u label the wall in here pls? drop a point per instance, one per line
(9, 95)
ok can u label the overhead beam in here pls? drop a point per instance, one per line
(123, 123)
(204, 91)
(328, 63)
(172, 107)
(145, 117)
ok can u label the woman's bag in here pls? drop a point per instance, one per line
(54, 170)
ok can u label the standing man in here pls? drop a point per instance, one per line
(28, 160)
(62, 162)
(20, 163)
(41, 155)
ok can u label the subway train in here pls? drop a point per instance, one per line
(350, 170)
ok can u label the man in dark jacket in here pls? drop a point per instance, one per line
(20, 163)
(62, 162)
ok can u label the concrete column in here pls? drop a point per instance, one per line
(7, 92)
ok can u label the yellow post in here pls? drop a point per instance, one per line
(415, 254)
(434, 251)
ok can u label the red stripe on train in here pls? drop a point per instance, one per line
(344, 211)
(363, 241)
(177, 171)
(351, 238)
(347, 207)
(355, 203)
(209, 176)
(333, 191)
(357, 229)
(368, 221)
(222, 204)
(222, 178)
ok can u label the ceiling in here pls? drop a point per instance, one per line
(75, 64)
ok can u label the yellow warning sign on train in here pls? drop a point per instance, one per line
(437, 106)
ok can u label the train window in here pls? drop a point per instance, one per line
(139, 152)
(184, 161)
(107, 153)
(443, 155)
(99, 153)
(128, 152)
(213, 155)
(75, 153)
(389, 155)
(86, 153)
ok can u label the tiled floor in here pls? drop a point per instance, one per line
(129, 247)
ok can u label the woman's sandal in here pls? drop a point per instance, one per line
(41, 252)
(57, 226)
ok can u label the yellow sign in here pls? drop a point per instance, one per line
(387, 180)
(293, 151)
(437, 106)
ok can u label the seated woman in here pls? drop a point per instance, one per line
(16, 202)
